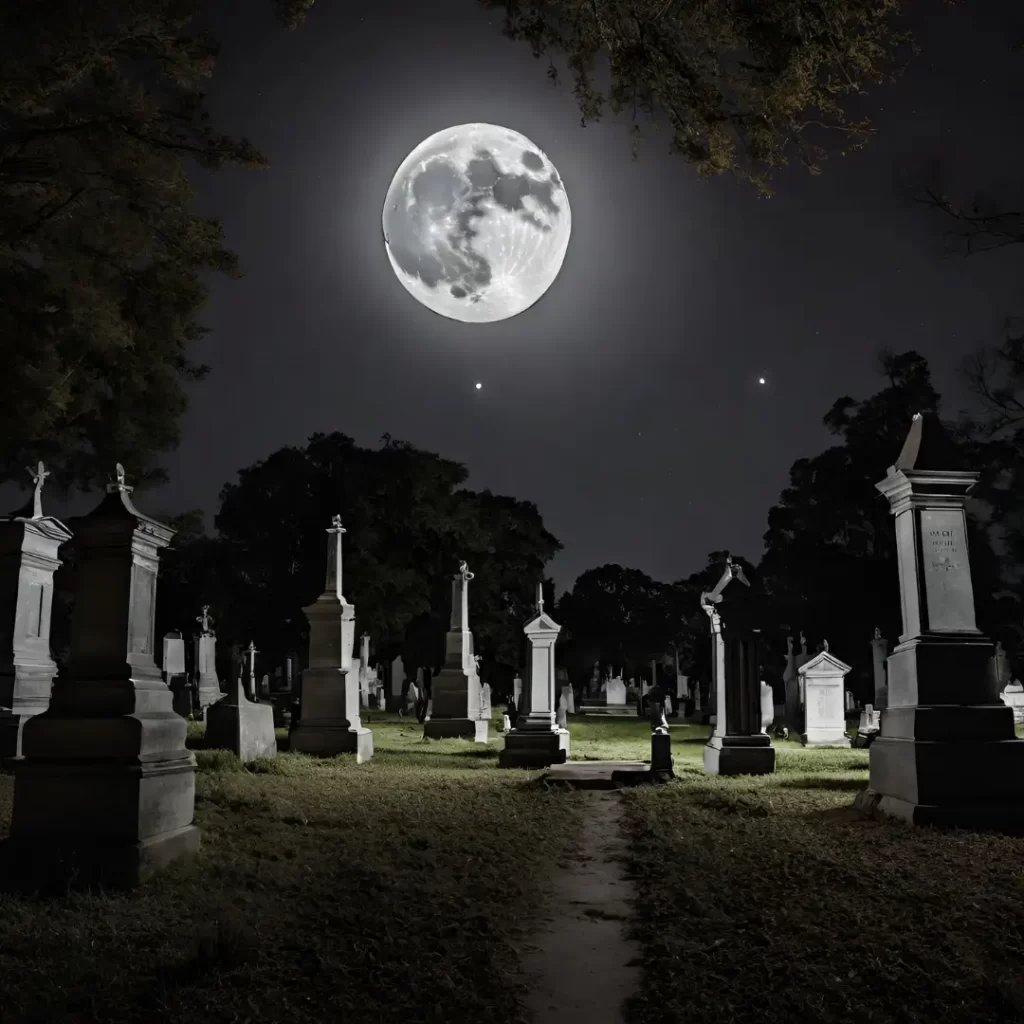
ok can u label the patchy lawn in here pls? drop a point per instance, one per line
(393, 890)
(766, 900)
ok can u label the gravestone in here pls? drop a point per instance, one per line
(393, 700)
(208, 684)
(824, 712)
(767, 707)
(412, 697)
(329, 721)
(485, 701)
(537, 740)
(455, 693)
(1000, 667)
(870, 723)
(682, 688)
(105, 791)
(615, 693)
(1013, 698)
(174, 673)
(517, 691)
(661, 744)
(794, 719)
(506, 724)
(947, 753)
(851, 703)
(243, 726)
(565, 689)
(29, 542)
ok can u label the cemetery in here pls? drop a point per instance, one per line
(382, 857)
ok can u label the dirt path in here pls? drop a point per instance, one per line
(580, 964)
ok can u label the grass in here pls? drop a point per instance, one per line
(767, 900)
(393, 890)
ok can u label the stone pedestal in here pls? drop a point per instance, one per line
(823, 679)
(536, 741)
(661, 755)
(767, 707)
(238, 724)
(455, 691)
(738, 747)
(206, 670)
(329, 720)
(28, 559)
(396, 685)
(105, 790)
(947, 754)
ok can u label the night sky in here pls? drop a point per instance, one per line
(625, 403)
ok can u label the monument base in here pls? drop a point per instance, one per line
(528, 749)
(327, 740)
(823, 738)
(11, 725)
(739, 755)
(661, 755)
(245, 728)
(1004, 817)
(208, 695)
(456, 729)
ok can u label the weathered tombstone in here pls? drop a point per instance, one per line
(412, 696)
(947, 753)
(455, 697)
(394, 697)
(106, 789)
(537, 741)
(824, 713)
(329, 720)
(1013, 697)
(517, 691)
(565, 689)
(851, 703)
(174, 673)
(241, 725)
(364, 670)
(615, 693)
(29, 542)
(506, 724)
(682, 688)
(737, 745)
(879, 662)
(485, 701)
(661, 744)
(206, 660)
(870, 723)
(767, 707)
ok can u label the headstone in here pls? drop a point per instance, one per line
(615, 694)
(517, 691)
(737, 745)
(941, 689)
(537, 740)
(1013, 697)
(560, 720)
(174, 674)
(241, 725)
(668, 704)
(870, 723)
(28, 560)
(455, 692)
(767, 707)
(661, 744)
(394, 697)
(682, 687)
(565, 689)
(879, 656)
(851, 703)
(412, 697)
(329, 721)
(506, 724)
(208, 685)
(1001, 667)
(485, 701)
(105, 792)
(824, 712)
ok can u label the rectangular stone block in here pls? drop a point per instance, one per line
(534, 749)
(753, 756)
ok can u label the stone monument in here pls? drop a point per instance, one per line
(870, 723)
(879, 654)
(615, 693)
(822, 679)
(174, 673)
(947, 753)
(207, 683)
(767, 707)
(105, 791)
(537, 741)
(737, 745)
(28, 560)
(329, 720)
(393, 700)
(241, 725)
(455, 694)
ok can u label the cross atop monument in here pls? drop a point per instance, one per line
(336, 526)
(205, 620)
(118, 484)
(333, 582)
(39, 475)
(464, 571)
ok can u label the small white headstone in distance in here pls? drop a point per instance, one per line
(767, 706)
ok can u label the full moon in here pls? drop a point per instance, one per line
(476, 223)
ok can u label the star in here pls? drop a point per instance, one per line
(760, 380)
(478, 385)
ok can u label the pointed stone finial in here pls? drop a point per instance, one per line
(336, 525)
(39, 475)
(205, 620)
(540, 598)
(824, 646)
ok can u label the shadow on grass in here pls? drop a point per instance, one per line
(822, 782)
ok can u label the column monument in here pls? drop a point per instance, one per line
(947, 752)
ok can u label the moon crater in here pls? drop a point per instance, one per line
(476, 223)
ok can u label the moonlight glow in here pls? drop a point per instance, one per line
(476, 223)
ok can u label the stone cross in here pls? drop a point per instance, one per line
(250, 653)
(333, 583)
(39, 475)
(460, 590)
(205, 620)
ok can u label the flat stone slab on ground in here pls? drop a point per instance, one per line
(593, 774)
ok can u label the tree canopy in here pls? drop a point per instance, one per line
(408, 523)
(101, 257)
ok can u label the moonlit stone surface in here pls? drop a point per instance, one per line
(476, 223)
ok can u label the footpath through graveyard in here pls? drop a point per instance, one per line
(581, 964)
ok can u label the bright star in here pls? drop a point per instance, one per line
(760, 380)
(478, 385)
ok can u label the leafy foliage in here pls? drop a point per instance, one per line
(101, 259)
(409, 522)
